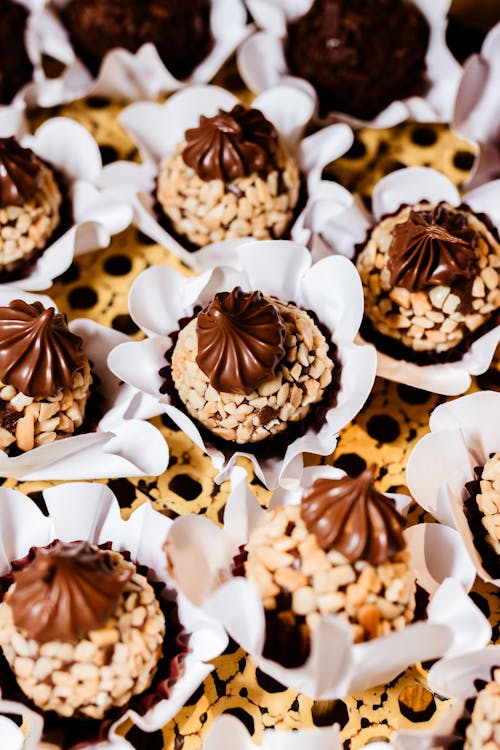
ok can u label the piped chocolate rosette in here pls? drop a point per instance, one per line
(81, 629)
(341, 551)
(230, 177)
(247, 366)
(45, 377)
(431, 281)
(30, 203)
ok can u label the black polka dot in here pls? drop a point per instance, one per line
(196, 696)
(168, 422)
(108, 154)
(413, 395)
(326, 713)
(125, 324)
(243, 716)
(37, 498)
(97, 102)
(83, 297)
(70, 275)
(357, 150)
(489, 380)
(118, 265)
(124, 491)
(267, 683)
(383, 428)
(145, 740)
(144, 239)
(463, 160)
(185, 486)
(423, 136)
(351, 463)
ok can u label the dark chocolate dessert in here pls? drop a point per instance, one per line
(45, 377)
(30, 203)
(360, 55)
(15, 66)
(180, 30)
(340, 552)
(230, 177)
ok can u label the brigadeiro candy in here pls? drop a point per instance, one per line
(30, 203)
(430, 275)
(45, 377)
(340, 551)
(15, 66)
(360, 57)
(81, 629)
(231, 176)
(248, 365)
(180, 31)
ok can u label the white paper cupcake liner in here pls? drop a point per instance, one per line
(119, 447)
(96, 214)
(122, 75)
(227, 733)
(477, 108)
(339, 220)
(261, 62)
(160, 297)
(463, 435)
(157, 130)
(90, 512)
(336, 667)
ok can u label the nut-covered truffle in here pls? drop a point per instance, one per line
(483, 731)
(430, 276)
(248, 365)
(15, 66)
(45, 377)
(230, 177)
(30, 201)
(179, 30)
(340, 552)
(359, 56)
(81, 629)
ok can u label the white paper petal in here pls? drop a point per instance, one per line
(91, 512)
(455, 677)
(412, 185)
(227, 733)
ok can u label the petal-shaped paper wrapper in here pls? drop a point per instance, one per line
(477, 108)
(91, 512)
(160, 297)
(339, 219)
(159, 128)
(96, 214)
(228, 733)
(463, 434)
(119, 447)
(336, 667)
(261, 63)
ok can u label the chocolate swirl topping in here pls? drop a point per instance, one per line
(20, 169)
(431, 248)
(38, 353)
(231, 145)
(67, 591)
(240, 341)
(348, 515)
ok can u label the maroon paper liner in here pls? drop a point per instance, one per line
(394, 348)
(74, 733)
(489, 558)
(274, 445)
(181, 36)
(287, 635)
(15, 65)
(20, 269)
(167, 225)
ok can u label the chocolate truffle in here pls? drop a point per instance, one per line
(179, 30)
(45, 377)
(29, 208)
(230, 177)
(483, 731)
(340, 552)
(430, 276)
(248, 365)
(15, 66)
(360, 56)
(81, 629)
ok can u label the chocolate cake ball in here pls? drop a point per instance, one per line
(360, 55)
(179, 30)
(29, 209)
(340, 552)
(45, 377)
(483, 731)
(248, 365)
(15, 66)
(430, 276)
(230, 177)
(81, 629)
